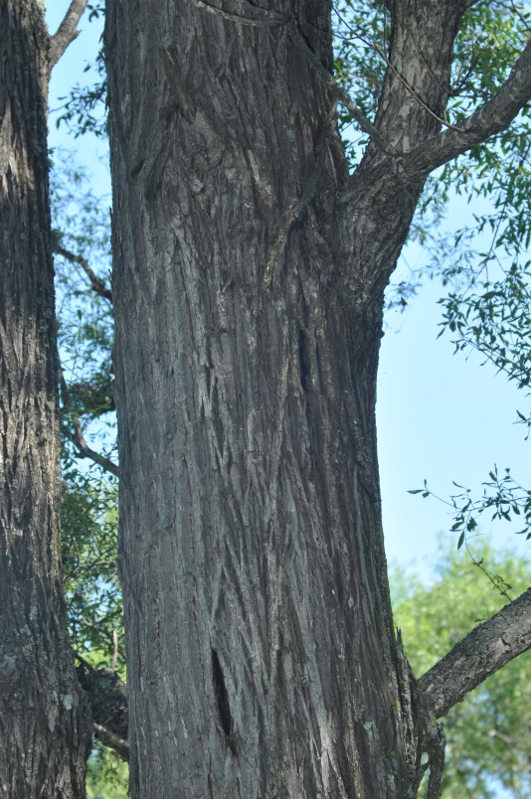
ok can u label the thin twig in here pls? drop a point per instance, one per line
(341, 95)
(105, 632)
(81, 566)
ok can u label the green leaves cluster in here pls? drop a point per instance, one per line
(107, 775)
(496, 321)
(502, 499)
(91, 585)
(83, 110)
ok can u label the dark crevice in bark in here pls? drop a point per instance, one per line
(304, 361)
(222, 702)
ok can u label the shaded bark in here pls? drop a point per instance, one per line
(44, 719)
(249, 270)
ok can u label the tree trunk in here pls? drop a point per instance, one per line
(44, 724)
(249, 271)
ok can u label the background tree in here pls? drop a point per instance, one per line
(45, 720)
(248, 282)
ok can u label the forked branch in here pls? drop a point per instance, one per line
(66, 32)
(496, 115)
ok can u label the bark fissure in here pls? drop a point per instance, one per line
(222, 703)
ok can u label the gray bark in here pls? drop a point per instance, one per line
(44, 719)
(249, 269)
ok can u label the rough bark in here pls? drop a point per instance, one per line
(249, 271)
(44, 727)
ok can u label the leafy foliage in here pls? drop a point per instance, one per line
(84, 108)
(89, 516)
(92, 590)
(487, 734)
(502, 496)
(89, 504)
(107, 775)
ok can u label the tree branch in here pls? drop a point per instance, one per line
(107, 737)
(66, 32)
(340, 94)
(487, 648)
(78, 439)
(493, 117)
(96, 284)
(107, 695)
(84, 451)
(95, 398)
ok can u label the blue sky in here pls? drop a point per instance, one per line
(441, 416)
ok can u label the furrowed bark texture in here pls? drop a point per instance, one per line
(44, 729)
(249, 270)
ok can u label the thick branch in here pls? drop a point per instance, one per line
(487, 648)
(485, 122)
(107, 695)
(107, 737)
(66, 32)
(96, 284)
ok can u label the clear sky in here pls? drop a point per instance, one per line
(441, 416)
